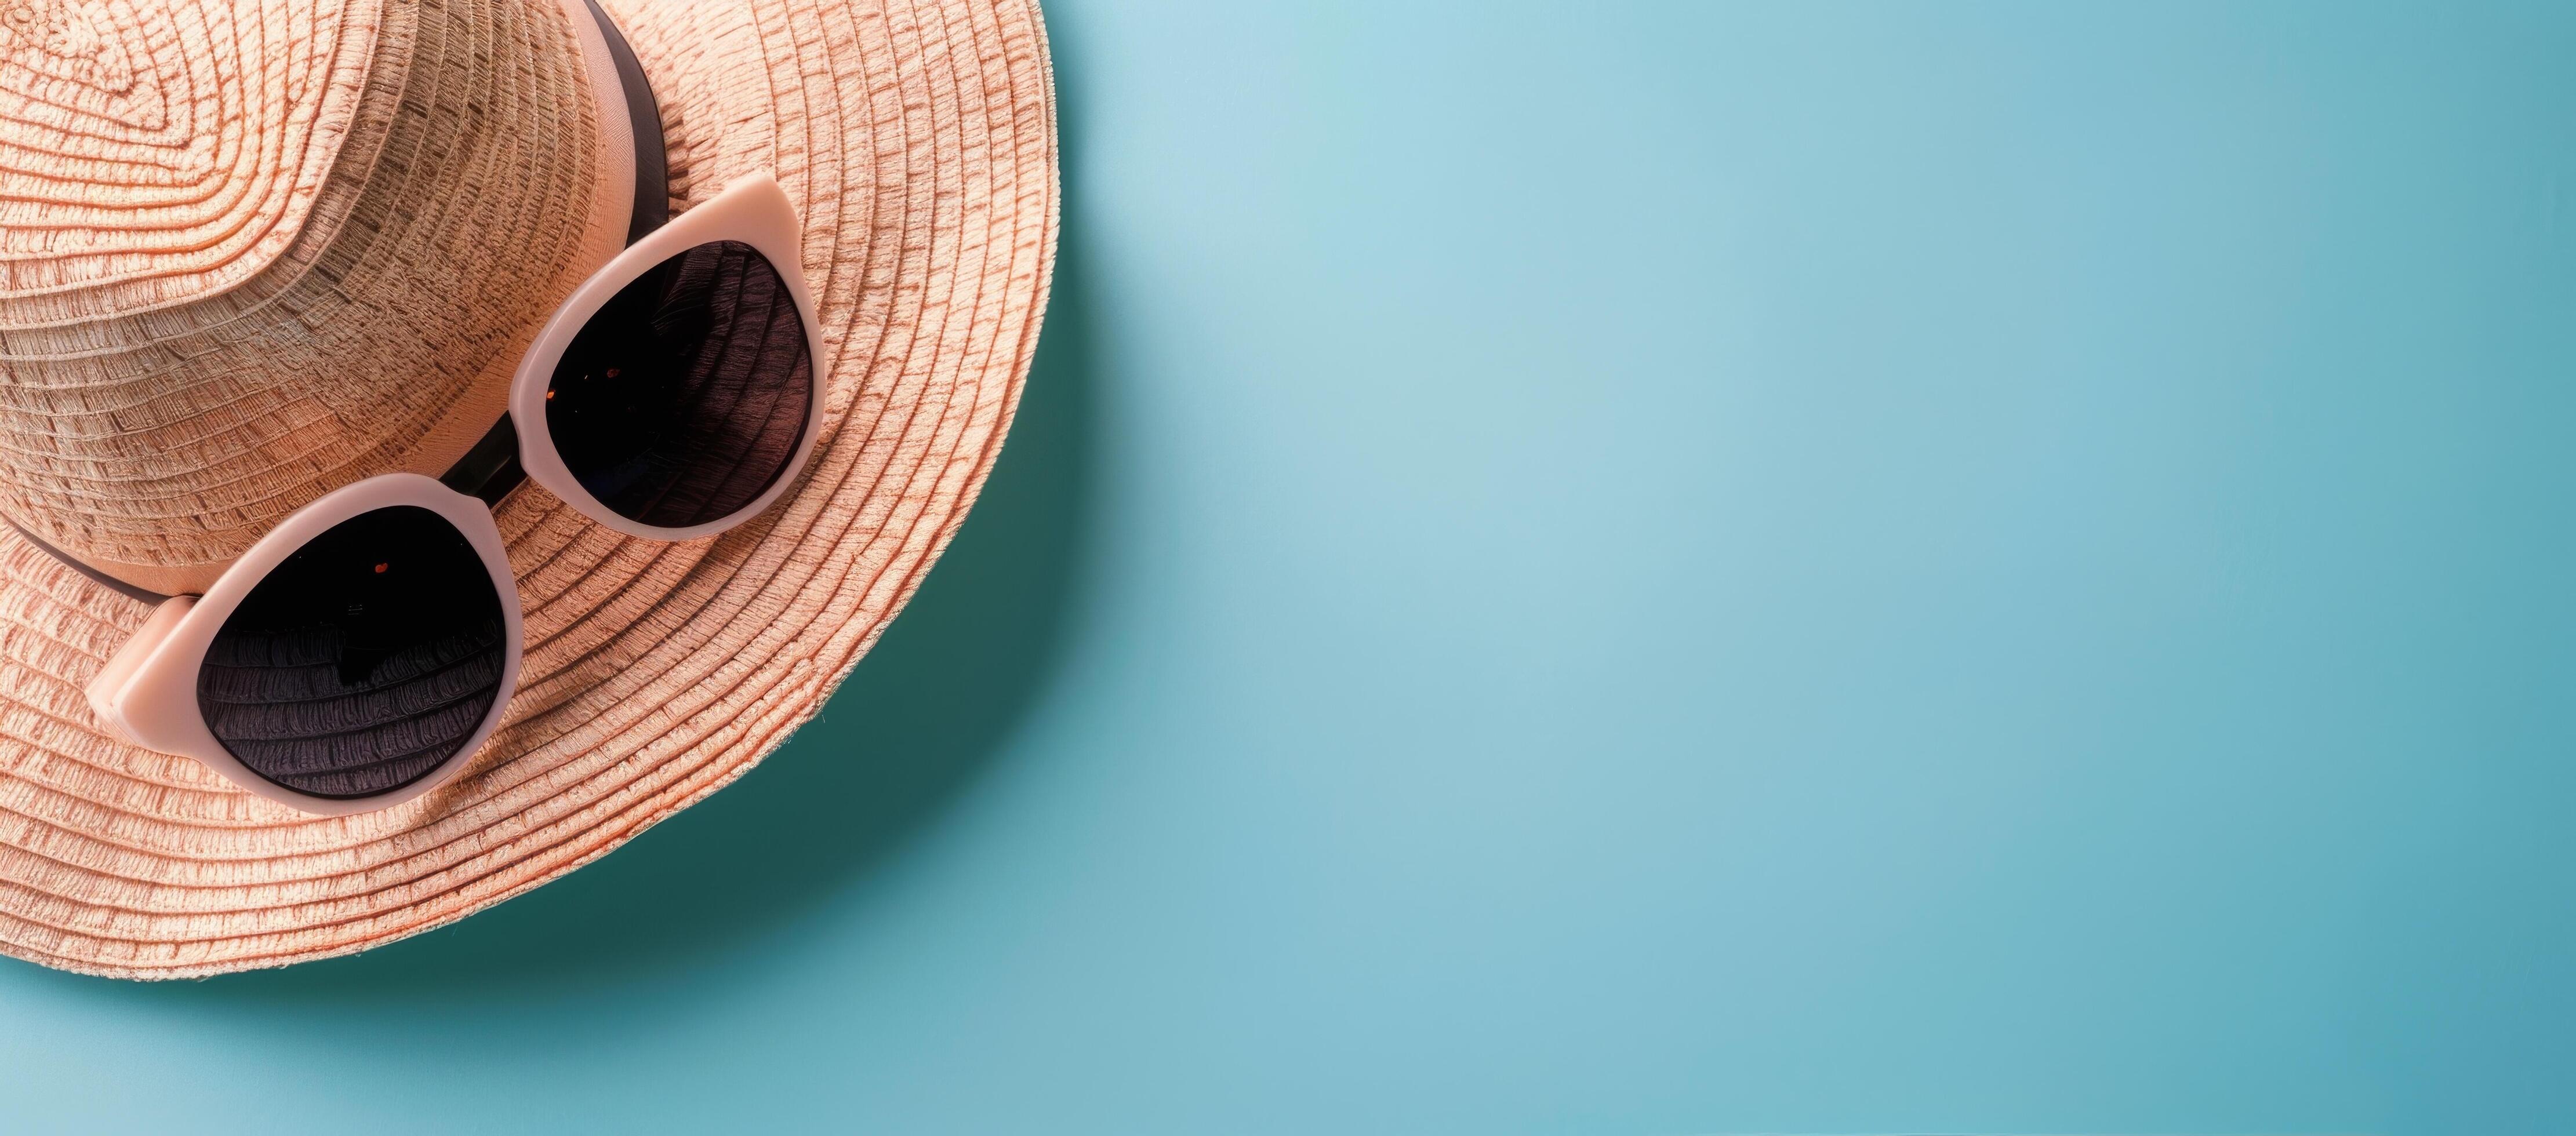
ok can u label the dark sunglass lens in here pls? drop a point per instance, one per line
(362, 662)
(684, 399)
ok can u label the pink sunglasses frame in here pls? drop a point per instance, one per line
(147, 693)
(754, 211)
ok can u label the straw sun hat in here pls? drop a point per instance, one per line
(253, 251)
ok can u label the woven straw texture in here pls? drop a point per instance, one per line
(274, 261)
(257, 250)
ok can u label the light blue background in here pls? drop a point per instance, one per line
(1641, 569)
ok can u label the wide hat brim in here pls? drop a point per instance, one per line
(918, 141)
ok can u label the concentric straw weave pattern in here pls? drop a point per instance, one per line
(918, 142)
(272, 257)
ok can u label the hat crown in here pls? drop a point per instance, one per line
(167, 150)
(254, 250)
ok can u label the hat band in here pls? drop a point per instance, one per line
(491, 469)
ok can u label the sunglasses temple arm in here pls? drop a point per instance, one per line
(113, 694)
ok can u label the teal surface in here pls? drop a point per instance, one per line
(1640, 569)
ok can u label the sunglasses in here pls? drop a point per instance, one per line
(359, 653)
